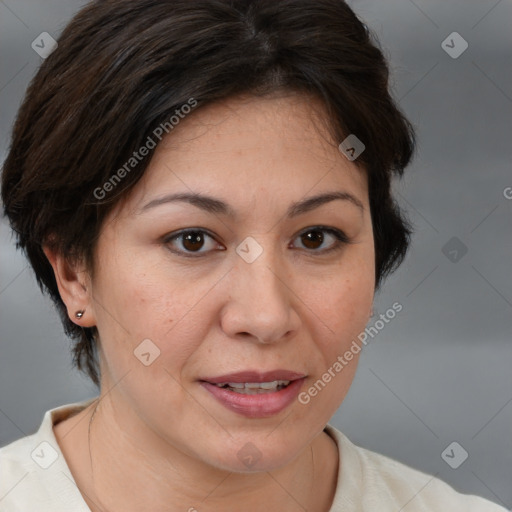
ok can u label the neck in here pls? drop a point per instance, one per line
(124, 465)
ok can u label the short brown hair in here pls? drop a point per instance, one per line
(123, 67)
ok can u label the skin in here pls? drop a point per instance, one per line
(159, 440)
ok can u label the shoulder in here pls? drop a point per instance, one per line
(34, 473)
(15, 463)
(377, 482)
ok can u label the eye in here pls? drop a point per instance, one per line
(191, 241)
(196, 242)
(316, 237)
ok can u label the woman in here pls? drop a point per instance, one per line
(203, 188)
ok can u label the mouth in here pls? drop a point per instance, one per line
(255, 394)
(255, 388)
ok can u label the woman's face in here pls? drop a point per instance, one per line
(260, 284)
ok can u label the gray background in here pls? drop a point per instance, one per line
(440, 371)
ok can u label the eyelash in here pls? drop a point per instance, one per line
(341, 240)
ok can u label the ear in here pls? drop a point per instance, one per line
(74, 286)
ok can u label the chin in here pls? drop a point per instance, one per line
(253, 454)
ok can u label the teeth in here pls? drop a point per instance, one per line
(260, 385)
(236, 385)
(253, 388)
(268, 385)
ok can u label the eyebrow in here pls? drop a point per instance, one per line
(217, 206)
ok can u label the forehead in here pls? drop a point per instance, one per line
(248, 147)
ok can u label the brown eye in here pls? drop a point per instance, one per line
(317, 239)
(191, 242)
(312, 239)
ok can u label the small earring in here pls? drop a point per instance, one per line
(80, 314)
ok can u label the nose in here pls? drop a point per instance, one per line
(262, 303)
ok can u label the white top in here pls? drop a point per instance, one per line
(34, 477)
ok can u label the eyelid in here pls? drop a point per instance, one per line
(184, 231)
(338, 233)
(341, 237)
(175, 235)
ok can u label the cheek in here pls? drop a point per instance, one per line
(343, 305)
(350, 307)
(339, 314)
(346, 296)
(144, 302)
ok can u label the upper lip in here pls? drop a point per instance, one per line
(255, 376)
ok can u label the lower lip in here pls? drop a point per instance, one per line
(261, 405)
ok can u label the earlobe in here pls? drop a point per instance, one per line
(74, 289)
